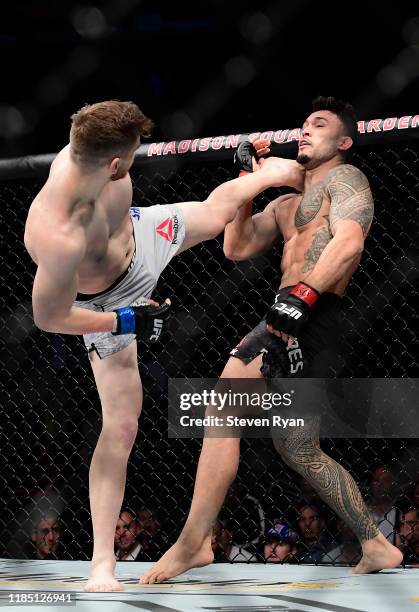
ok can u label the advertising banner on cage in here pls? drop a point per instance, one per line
(299, 407)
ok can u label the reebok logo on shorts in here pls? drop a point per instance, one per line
(168, 229)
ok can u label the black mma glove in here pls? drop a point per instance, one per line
(290, 314)
(243, 157)
(146, 321)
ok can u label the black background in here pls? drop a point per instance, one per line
(171, 59)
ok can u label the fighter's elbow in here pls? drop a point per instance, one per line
(356, 247)
(45, 323)
(42, 324)
(233, 254)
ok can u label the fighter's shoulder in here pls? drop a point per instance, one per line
(346, 174)
(53, 241)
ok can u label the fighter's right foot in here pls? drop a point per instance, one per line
(102, 579)
(178, 559)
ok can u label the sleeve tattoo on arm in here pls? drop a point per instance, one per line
(351, 197)
(321, 239)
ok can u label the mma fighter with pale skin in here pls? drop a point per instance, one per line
(98, 260)
(323, 231)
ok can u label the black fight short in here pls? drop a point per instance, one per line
(315, 354)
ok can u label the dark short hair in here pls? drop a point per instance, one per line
(342, 109)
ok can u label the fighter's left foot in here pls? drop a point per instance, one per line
(378, 554)
(102, 578)
(178, 559)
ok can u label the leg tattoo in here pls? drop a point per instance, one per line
(302, 452)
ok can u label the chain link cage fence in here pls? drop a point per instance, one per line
(50, 411)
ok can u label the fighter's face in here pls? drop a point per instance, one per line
(322, 136)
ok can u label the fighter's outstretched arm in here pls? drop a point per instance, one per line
(205, 220)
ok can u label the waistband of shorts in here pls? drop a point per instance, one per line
(85, 297)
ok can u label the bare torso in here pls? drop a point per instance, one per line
(303, 221)
(104, 225)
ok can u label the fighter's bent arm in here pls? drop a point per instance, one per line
(55, 288)
(205, 220)
(250, 235)
(351, 215)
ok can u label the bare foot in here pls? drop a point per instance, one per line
(378, 554)
(102, 579)
(178, 559)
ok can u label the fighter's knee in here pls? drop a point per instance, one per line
(122, 433)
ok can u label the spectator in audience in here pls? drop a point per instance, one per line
(46, 538)
(348, 551)
(308, 494)
(148, 536)
(127, 532)
(245, 513)
(280, 544)
(381, 500)
(407, 534)
(313, 540)
(224, 549)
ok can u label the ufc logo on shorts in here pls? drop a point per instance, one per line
(291, 311)
(157, 328)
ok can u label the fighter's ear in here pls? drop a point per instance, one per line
(114, 165)
(345, 143)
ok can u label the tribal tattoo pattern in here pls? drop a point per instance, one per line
(351, 197)
(301, 451)
(321, 238)
(310, 205)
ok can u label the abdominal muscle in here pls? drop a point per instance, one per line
(294, 262)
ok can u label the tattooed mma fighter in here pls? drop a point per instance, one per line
(323, 230)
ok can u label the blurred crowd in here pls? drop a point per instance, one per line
(307, 532)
